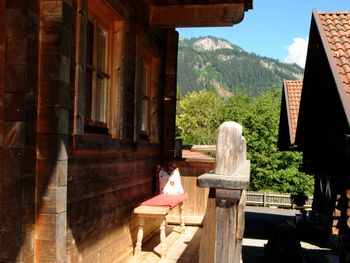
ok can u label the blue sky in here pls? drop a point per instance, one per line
(273, 28)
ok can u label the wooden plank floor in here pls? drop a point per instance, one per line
(181, 248)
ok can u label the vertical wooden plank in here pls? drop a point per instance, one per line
(18, 67)
(170, 94)
(222, 234)
(2, 70)
(225, 234)
(240, 227)
(208, 239)
(80, 63)
(52, 132)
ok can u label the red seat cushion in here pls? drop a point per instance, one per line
(165, 200)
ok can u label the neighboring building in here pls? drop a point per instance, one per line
(291, 94)
(87, 110)
(323, 128)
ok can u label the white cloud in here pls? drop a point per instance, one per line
(297, 51)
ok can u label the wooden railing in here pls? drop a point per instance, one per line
(274, 199)
(191, 167)
(193, 163)
(223, 226)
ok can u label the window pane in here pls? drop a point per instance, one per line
(144, 79)
(145, 97)
(88, 95)
(101, 99)
(101, 50)
(88, 74)
(144, 115)
(105, 29)
(90, 43)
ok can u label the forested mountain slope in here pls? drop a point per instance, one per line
(209, 63)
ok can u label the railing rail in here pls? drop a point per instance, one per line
(265, 199)
(274, 199)
(200, 148)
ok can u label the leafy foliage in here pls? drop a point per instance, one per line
(197, 117)
(200, 114)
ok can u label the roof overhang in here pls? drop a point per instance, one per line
(289, 114)
(286, 98)
(197, 13)
(333, 65)
(322, 63)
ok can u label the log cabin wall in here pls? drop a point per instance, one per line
(87, 110)
(67, 194)
(107, 176)
(19, 25)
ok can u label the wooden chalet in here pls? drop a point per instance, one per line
(323, 125)
(87, 110)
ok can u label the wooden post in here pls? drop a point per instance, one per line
(182, 217)
(52, 131)
(163, 249)
(224, 220)
(169, 94)
(178, 149)
(139, 235)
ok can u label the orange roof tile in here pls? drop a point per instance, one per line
(334, 28)
(293, 94)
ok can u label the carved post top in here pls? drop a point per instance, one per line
(232, 169)
(229, 148)
(239, 180)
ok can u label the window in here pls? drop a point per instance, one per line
(97, 73)
(148, 90)
(145, 95)
(104, 71)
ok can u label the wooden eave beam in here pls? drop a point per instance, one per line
(196, 15)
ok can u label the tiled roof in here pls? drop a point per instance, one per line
(336, 29)
(293, 94)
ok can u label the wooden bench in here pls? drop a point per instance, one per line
(158, 207)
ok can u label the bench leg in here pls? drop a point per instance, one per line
(182, 217)
(163, 247)
(138, 246)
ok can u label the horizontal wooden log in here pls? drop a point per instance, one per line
(196, 15)
(203, 148)
(238, 181)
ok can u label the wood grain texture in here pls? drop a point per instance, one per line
(196, 202)
(224, 219)
(196, 15)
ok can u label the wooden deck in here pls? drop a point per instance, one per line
(181, 248)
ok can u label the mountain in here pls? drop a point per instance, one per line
(210, 63)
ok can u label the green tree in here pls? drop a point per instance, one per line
(200, 114)
(198, 117)
(271, 169)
